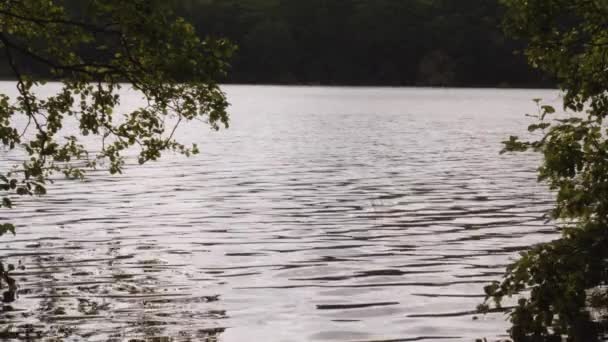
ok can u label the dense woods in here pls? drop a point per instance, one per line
(414, 42)
(362, 42)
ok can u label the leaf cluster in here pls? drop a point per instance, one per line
(554, 280)
(138, 44)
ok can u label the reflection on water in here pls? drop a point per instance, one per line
(323, 214)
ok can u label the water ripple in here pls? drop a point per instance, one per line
(323, 214)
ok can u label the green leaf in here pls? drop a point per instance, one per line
(6, 228)
(548, 109)
(535, 127)
(39, 190)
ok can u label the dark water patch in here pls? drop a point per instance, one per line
(446, 295)
(459, 313)
(421, 338)
(353, 306)
(371, 285)
(244, 254)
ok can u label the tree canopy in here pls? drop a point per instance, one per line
(561, 285)
(360, 42)
(138, 44)
(365, 42)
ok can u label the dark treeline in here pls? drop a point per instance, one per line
(361, 42)
(365, 42)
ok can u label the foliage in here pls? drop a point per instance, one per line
(362, 42)
(136, 43)
(561, 283)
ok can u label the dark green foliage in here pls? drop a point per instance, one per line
(388, 42)
(94, 48)
(562, 284)
(358, 42)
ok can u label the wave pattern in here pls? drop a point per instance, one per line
(323, 214)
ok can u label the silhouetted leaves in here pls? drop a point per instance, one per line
(389, 42)
(561, 284)
(94, 48)
(6, 228)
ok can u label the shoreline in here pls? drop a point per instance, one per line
(360, 86)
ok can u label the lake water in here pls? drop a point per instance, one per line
(322, 214)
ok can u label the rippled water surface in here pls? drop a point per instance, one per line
(322, 214)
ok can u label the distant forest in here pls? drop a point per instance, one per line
(363, 42)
